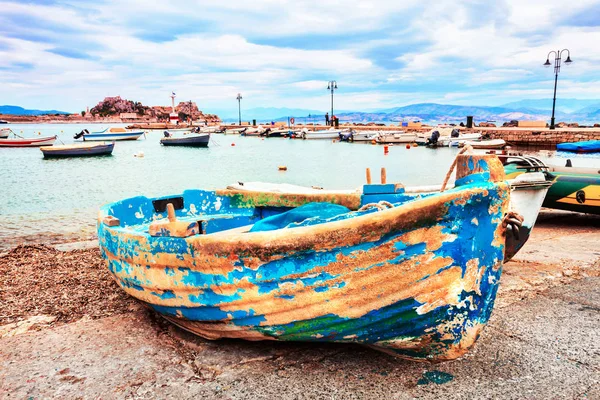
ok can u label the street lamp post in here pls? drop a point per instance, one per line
(332, 85)
(557, 61)
(239, 99)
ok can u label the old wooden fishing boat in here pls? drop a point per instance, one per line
(28, 142)
(415, 278)
(78, 150)
(573, 188)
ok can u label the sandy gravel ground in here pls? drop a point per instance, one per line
(67, 331)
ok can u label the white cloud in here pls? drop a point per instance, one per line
(283, 52)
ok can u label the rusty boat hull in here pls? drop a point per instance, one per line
(417, 280)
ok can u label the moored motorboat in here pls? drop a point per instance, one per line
(109, 134)
(573, 188)
(485, 144)
(28, 142)
(459, 139)
(331, 133)
(588, 146)
(189, 139)
(414, 277)
(363, 136)
(395, 137)
(4, 132)
(254, 131)
(278, 132)
(78, 150)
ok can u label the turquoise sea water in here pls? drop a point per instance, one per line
(57, 200)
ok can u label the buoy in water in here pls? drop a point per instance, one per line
(408, 146)
(282, 168)
(373, 142)
(232, 144)
(386, 149)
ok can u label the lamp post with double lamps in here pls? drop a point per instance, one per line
(557, 61)
(239, 99)
(332, 85)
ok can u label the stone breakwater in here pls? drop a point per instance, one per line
(542, 137)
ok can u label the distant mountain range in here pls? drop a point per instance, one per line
(564, 105)
(433, 112)
(16, 110)
(569, 110)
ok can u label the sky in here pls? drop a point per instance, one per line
(68, 55)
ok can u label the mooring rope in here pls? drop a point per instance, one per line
(466, 148)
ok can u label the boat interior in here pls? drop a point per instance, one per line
(226, 210)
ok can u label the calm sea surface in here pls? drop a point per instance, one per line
(57, 200)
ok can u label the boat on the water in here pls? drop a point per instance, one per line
(395, 137)
(331, 133)
(573, 188)
(485, 144)
(588, 146)
(413, 276)
(109, 134)
(78, 150)
(360, 136)
(28, 142)
(278, 132)
(189, 139)
(459, 139)
(160, 126)
(254, 131)
(236, 130)
(4, 132)
(4, 122)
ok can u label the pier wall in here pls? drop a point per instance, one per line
(542, 137)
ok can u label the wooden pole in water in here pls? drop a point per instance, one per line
(383, 176)
(368, 176)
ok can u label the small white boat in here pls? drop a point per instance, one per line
(236, 130)
(258, 131)
(396, 137)
(191, 139)
(460, 139)
(28, 142)
(487, 144)
(364, 136)
(188, 129)
(78, 150)
(109, 134)
(4, 132)
(324, 134)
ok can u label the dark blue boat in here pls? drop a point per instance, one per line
(78, 150)
(191, 139)
(589, 146)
